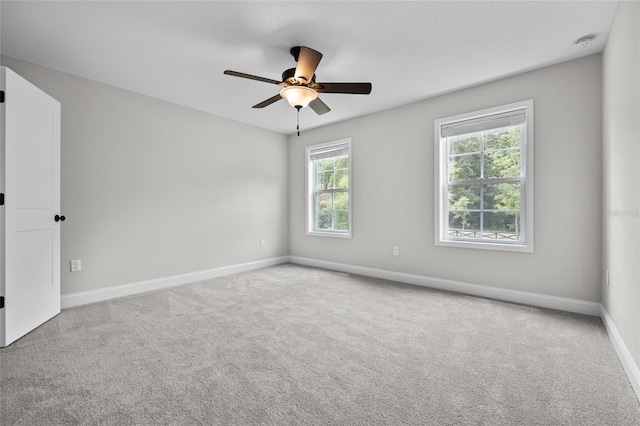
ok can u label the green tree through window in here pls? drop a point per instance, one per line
(484, 184)
(332, 196)
(329, 176)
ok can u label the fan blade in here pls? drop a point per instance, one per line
(268, 101)
(252, 77)
(319, 107)
(350, 88)
(308, 60)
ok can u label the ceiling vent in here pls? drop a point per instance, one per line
(582, 42)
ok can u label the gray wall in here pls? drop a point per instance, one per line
(393, 184)
(621, 142)
(151, 189)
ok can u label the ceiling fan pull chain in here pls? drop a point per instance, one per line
(298, 107)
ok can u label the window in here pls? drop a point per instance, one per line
(484, 179)
(328, 193)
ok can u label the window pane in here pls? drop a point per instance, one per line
(323, 219)
(324, 180)
(341, 201)
(464, 197)
(464, 224)
(501, 225)
(342, 162)
(506, 137)
(465, 144)
(503, 163)
(342, 179)
(501, 196)
(324, 202)
(462, 167)
(341, 220)
(326, 164)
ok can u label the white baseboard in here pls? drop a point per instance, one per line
(514, 296)
(533, 299)
(630, 367)
(92, 296)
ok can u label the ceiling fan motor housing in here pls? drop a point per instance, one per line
(288, 77)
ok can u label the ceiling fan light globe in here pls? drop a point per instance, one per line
(298, 95)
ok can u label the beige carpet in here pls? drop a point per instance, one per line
(295, 345)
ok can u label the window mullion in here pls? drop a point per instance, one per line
(482, 156)
(315, 194)
(333, 205)
(481, 210)
(486, 181)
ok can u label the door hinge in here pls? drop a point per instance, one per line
(1, 302)
(1, 96)
(1, 199)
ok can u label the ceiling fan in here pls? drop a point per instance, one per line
(300, 88)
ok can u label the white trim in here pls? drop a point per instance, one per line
(327, 146)
(483, 122)
(3, 74)
(506, 295)
(483, 245)
(513, 296)
(630, 367)
(441, 195)
(92, 296)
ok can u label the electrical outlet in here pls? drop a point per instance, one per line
(76, 266)
(262, 242)
(396, 251)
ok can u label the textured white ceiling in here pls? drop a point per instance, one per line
(178, 50)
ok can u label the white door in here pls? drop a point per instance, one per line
(31, 187)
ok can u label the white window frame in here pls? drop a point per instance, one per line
(441, 193)
(310, 188)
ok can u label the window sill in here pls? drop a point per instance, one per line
(329, 234)
(518, 248)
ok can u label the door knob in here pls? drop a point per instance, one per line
(59, 218)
